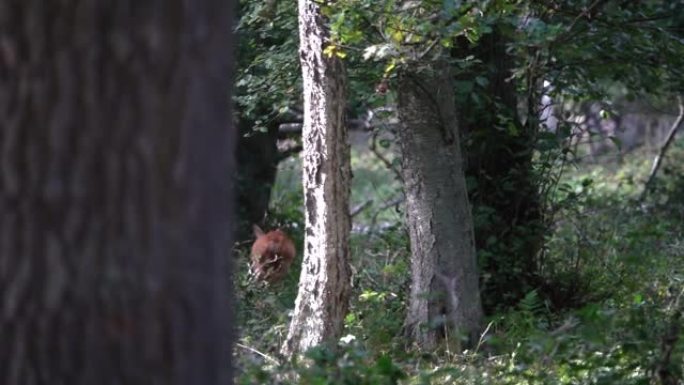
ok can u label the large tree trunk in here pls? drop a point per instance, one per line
(324, 286)
(115, 154)
(444, 295)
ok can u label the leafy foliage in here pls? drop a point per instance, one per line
(268, 75)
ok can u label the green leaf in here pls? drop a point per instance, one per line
(329, 50)
(390, 67)
(397, 36)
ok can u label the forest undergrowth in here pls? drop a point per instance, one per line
(609, 311)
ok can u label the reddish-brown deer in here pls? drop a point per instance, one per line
(272, 254)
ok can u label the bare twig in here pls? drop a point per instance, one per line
(568, 325)
(428, 49)
(370, 229)
(393, 203)
(291, 128)
(363, 122)
(383, 159)
(482, 336)
(251, 349)
(585, 13)
(668, 141)
(358, 209)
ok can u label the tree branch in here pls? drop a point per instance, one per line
(282, 155)
(388, 164)
(358, 209)
(659, 158)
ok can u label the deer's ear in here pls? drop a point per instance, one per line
(258, 232)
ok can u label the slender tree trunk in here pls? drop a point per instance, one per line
(324, 285)
(115, 157)
(444, 295)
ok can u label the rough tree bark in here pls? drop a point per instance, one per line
(324, 286)
(444, 296)
(115, 157)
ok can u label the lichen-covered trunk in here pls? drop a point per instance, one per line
(324, 286)
(115, 146)
(444, 298)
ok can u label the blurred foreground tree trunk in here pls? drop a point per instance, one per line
(324, 286)
(115, 213)
(444, 299)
